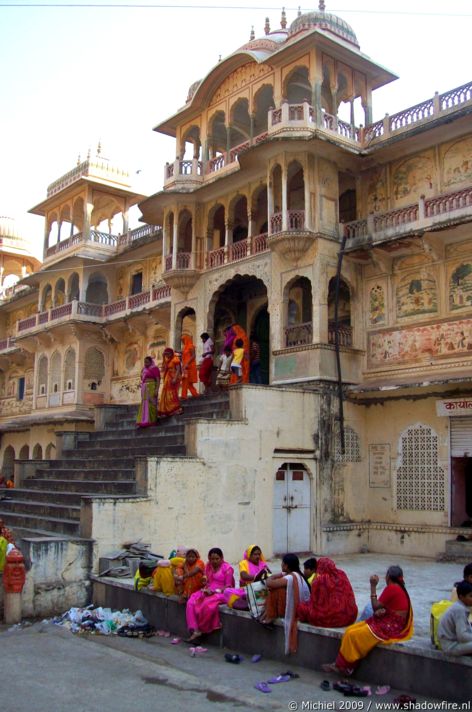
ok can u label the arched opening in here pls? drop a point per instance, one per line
(66, 224)
(184, 243)
(344, 313)
(239, 219)
(291, 523)
(94, 368)
(276, 187)
(297, 87)
(239, 302)
(42, 375)
(191, 144)
(73, 289)
(185, 324)
(169, 238)
(46, 298)
(260, 334)
(55, 373)
(240, 123)
(59, 293)
(8, 463)
(216, 236)
(298, 302)
(78, 215)
(53, 231)
(263, 101)
(217, 135)
(37, 452)
(347, 198)
(259, 210)
(24, 453)
(97, 289)
(69, 370)
(295, 187)
(50, 452)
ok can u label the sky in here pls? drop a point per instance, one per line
(74, 73)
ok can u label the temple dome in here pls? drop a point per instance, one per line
(9, 228)
(325, 21)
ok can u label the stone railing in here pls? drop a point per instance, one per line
(136, 302)
(299, 334)
(276, 223)
(182, 169)
(344, 335)
(421, 215)
(7, 343)
(94, 236)
(237, 251)
(182, 261)
(217, 163)
(138, 233)
(237, 150)
(295, 221)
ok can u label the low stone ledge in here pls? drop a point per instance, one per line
(406, 667)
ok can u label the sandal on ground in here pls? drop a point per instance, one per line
(279, 678)
(325, 685)
(382, 689)
(263, 687)
(356, 692)
(342, 686)
(292, 675)
(230, 658)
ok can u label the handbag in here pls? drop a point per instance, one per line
(256, 594)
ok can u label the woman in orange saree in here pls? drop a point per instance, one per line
(189, 367)
(392, 621)
(241, 334)
(169, 403)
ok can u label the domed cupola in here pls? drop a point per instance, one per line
(325, 21)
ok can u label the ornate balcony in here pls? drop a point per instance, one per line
(185, 173)
(180, 272)
(299, 334)
(436, 211)
(344, 335)
(289, 236)
(237, 251)
(95, 244)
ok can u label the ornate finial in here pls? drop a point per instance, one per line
(99, 148)
(267, 26)
(299, 11)
(78, 160)
(283, 19)
(88, 155)
(252, 36)
(322, 6)
(219, 58)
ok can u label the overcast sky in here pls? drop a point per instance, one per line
(71, 76)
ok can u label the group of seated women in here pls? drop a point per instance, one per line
(321, 595)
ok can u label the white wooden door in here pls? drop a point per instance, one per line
(291, 520)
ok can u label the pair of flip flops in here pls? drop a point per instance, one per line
(198, 650)
(284, 677)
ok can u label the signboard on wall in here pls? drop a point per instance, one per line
(454, 407)
(379, 465)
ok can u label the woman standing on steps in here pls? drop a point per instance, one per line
(150, 380)
(169, 403)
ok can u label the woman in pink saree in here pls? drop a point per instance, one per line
(202, 607)
(150, 379)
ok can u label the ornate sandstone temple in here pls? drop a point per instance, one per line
(343, 244)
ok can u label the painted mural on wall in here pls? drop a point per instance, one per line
(412, 178)
(416, 295)
(460, 287)
(457, 162)
(376, 191)
(377, 305)
(417, 343)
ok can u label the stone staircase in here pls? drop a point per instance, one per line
(102, 463)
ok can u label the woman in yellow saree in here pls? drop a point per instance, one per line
(169, 403)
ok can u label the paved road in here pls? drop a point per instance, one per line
(45, 668)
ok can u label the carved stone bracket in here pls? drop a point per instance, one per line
(291, 245)
(181, 279)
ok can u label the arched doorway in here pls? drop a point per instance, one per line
(237, 302)
(292, 509)
(261, 331)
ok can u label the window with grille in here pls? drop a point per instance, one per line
(420, 479)
(352, 450)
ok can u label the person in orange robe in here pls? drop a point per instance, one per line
(169, 403)
(241, 334)
(189, 367)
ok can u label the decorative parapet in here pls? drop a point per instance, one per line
(99, 168)
(241, 250)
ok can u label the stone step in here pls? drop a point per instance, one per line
(79, 473)
(128, 440)
(16, 521)
(78, 459)
(86, 487)
(51, 495)
(132, 451)
(169, 430)
(43, 509)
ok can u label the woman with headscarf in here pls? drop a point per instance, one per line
(169, 403)
(189, 367)
(286, 591)
(392, 622)
(251, 568)
(332, 602)
(202, 607)
(189, 575)
(150, 380)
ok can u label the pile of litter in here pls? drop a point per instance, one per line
(105, 622)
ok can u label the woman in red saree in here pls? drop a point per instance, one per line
(150, 379)
(392, 621)
(332, 602)
(189, 367)
(286, 591)
(239, 333)
(202, 607)
(169, 403)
